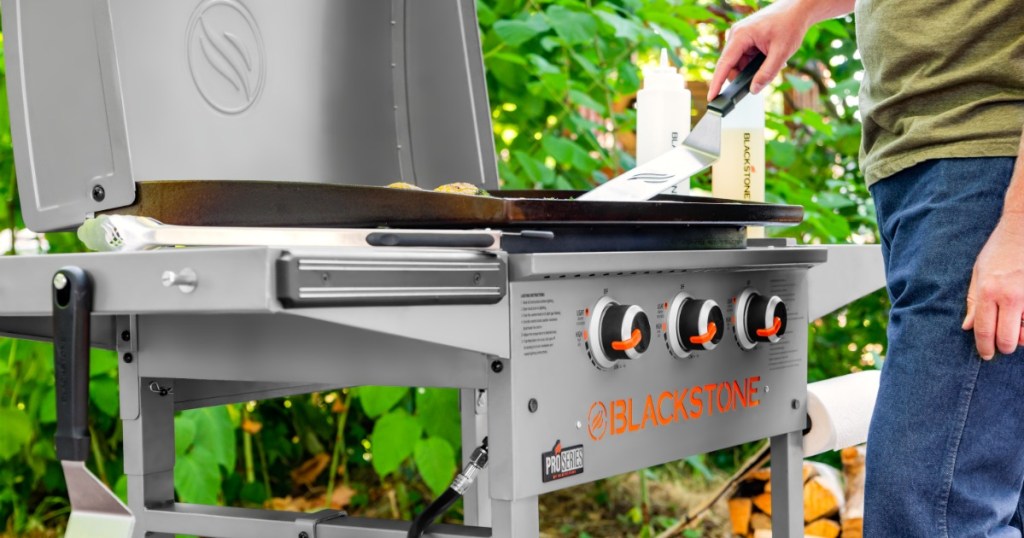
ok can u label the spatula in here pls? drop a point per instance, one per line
(95, 511)
(698, 151)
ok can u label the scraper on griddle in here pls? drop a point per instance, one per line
(700, 150)
(95, 511)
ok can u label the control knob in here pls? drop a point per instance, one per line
(617, 333)
(759, 318)
(694, 324)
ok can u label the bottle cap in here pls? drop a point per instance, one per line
(663, 76)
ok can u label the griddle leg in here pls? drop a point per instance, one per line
(787, 486)
(149, 452)
(477, 501)
(515, 519)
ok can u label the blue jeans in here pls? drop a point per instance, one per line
(946, 444)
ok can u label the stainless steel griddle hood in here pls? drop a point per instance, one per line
(328, 91)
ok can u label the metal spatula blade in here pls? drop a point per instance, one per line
(698, 151)
(95, 511)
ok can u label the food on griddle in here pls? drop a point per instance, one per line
(404, 186)
(462, 188)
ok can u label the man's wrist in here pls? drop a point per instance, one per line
(1014, 202)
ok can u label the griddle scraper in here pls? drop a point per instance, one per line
(698, 151)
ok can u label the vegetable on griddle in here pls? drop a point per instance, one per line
(462, 188)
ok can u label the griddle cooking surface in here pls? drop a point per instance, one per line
(665, 223)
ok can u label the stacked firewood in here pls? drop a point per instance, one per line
(829, 510)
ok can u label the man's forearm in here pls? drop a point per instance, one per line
(819, 10)
(1015, 194)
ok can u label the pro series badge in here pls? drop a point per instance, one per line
(561, 462)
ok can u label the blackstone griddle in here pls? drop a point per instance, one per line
(621, 336)
(666, 223)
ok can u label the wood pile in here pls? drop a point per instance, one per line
(853, 474)
(830, 511)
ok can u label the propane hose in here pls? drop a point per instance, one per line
(458, 487)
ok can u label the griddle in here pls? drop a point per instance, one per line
(667, 222)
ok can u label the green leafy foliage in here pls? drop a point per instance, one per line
(378, 400)
(435, 459)
(438, 413)
(17, 432)
(393, 438)
(205, 442)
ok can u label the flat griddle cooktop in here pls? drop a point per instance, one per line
(668, 222)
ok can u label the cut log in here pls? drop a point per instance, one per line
(822, 498)
(812, 470)
(852, 516)
(853, 528)
(763, 534)
(760, 521)
(740, 510)
(763, 474)
(824, 528)
(763, 502)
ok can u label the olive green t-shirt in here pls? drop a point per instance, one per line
(942, 79)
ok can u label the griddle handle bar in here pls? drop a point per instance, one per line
(72, 308)
(738, 89)
(396, 239)
(536, 234)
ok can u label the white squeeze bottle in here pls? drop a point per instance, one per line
(739, 172)
(663, 114)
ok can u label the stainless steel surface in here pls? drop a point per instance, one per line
(231, 341)
(41, 328)
(652, 409)
(457, 277)
(130, 282)
(852, 272)
(263, 349)
(185, 280)
(95, 510)
(569, 265)
(322, 91)
(234, 279)
(787, 454)
(248, 523)
(113, 233)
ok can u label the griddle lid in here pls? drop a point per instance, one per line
(105, 94)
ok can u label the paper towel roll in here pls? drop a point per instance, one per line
(839, 411)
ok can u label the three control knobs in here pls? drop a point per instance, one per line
(618, 333)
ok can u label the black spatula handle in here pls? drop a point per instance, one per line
(738, 89)
(72, 307)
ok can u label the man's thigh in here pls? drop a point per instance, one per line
(945, 451)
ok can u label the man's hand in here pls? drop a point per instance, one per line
(995, 298)
(777, 31)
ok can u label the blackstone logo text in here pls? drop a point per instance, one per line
(654, 410)
(746, 166)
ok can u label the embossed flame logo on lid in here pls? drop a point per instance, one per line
(225, 55)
